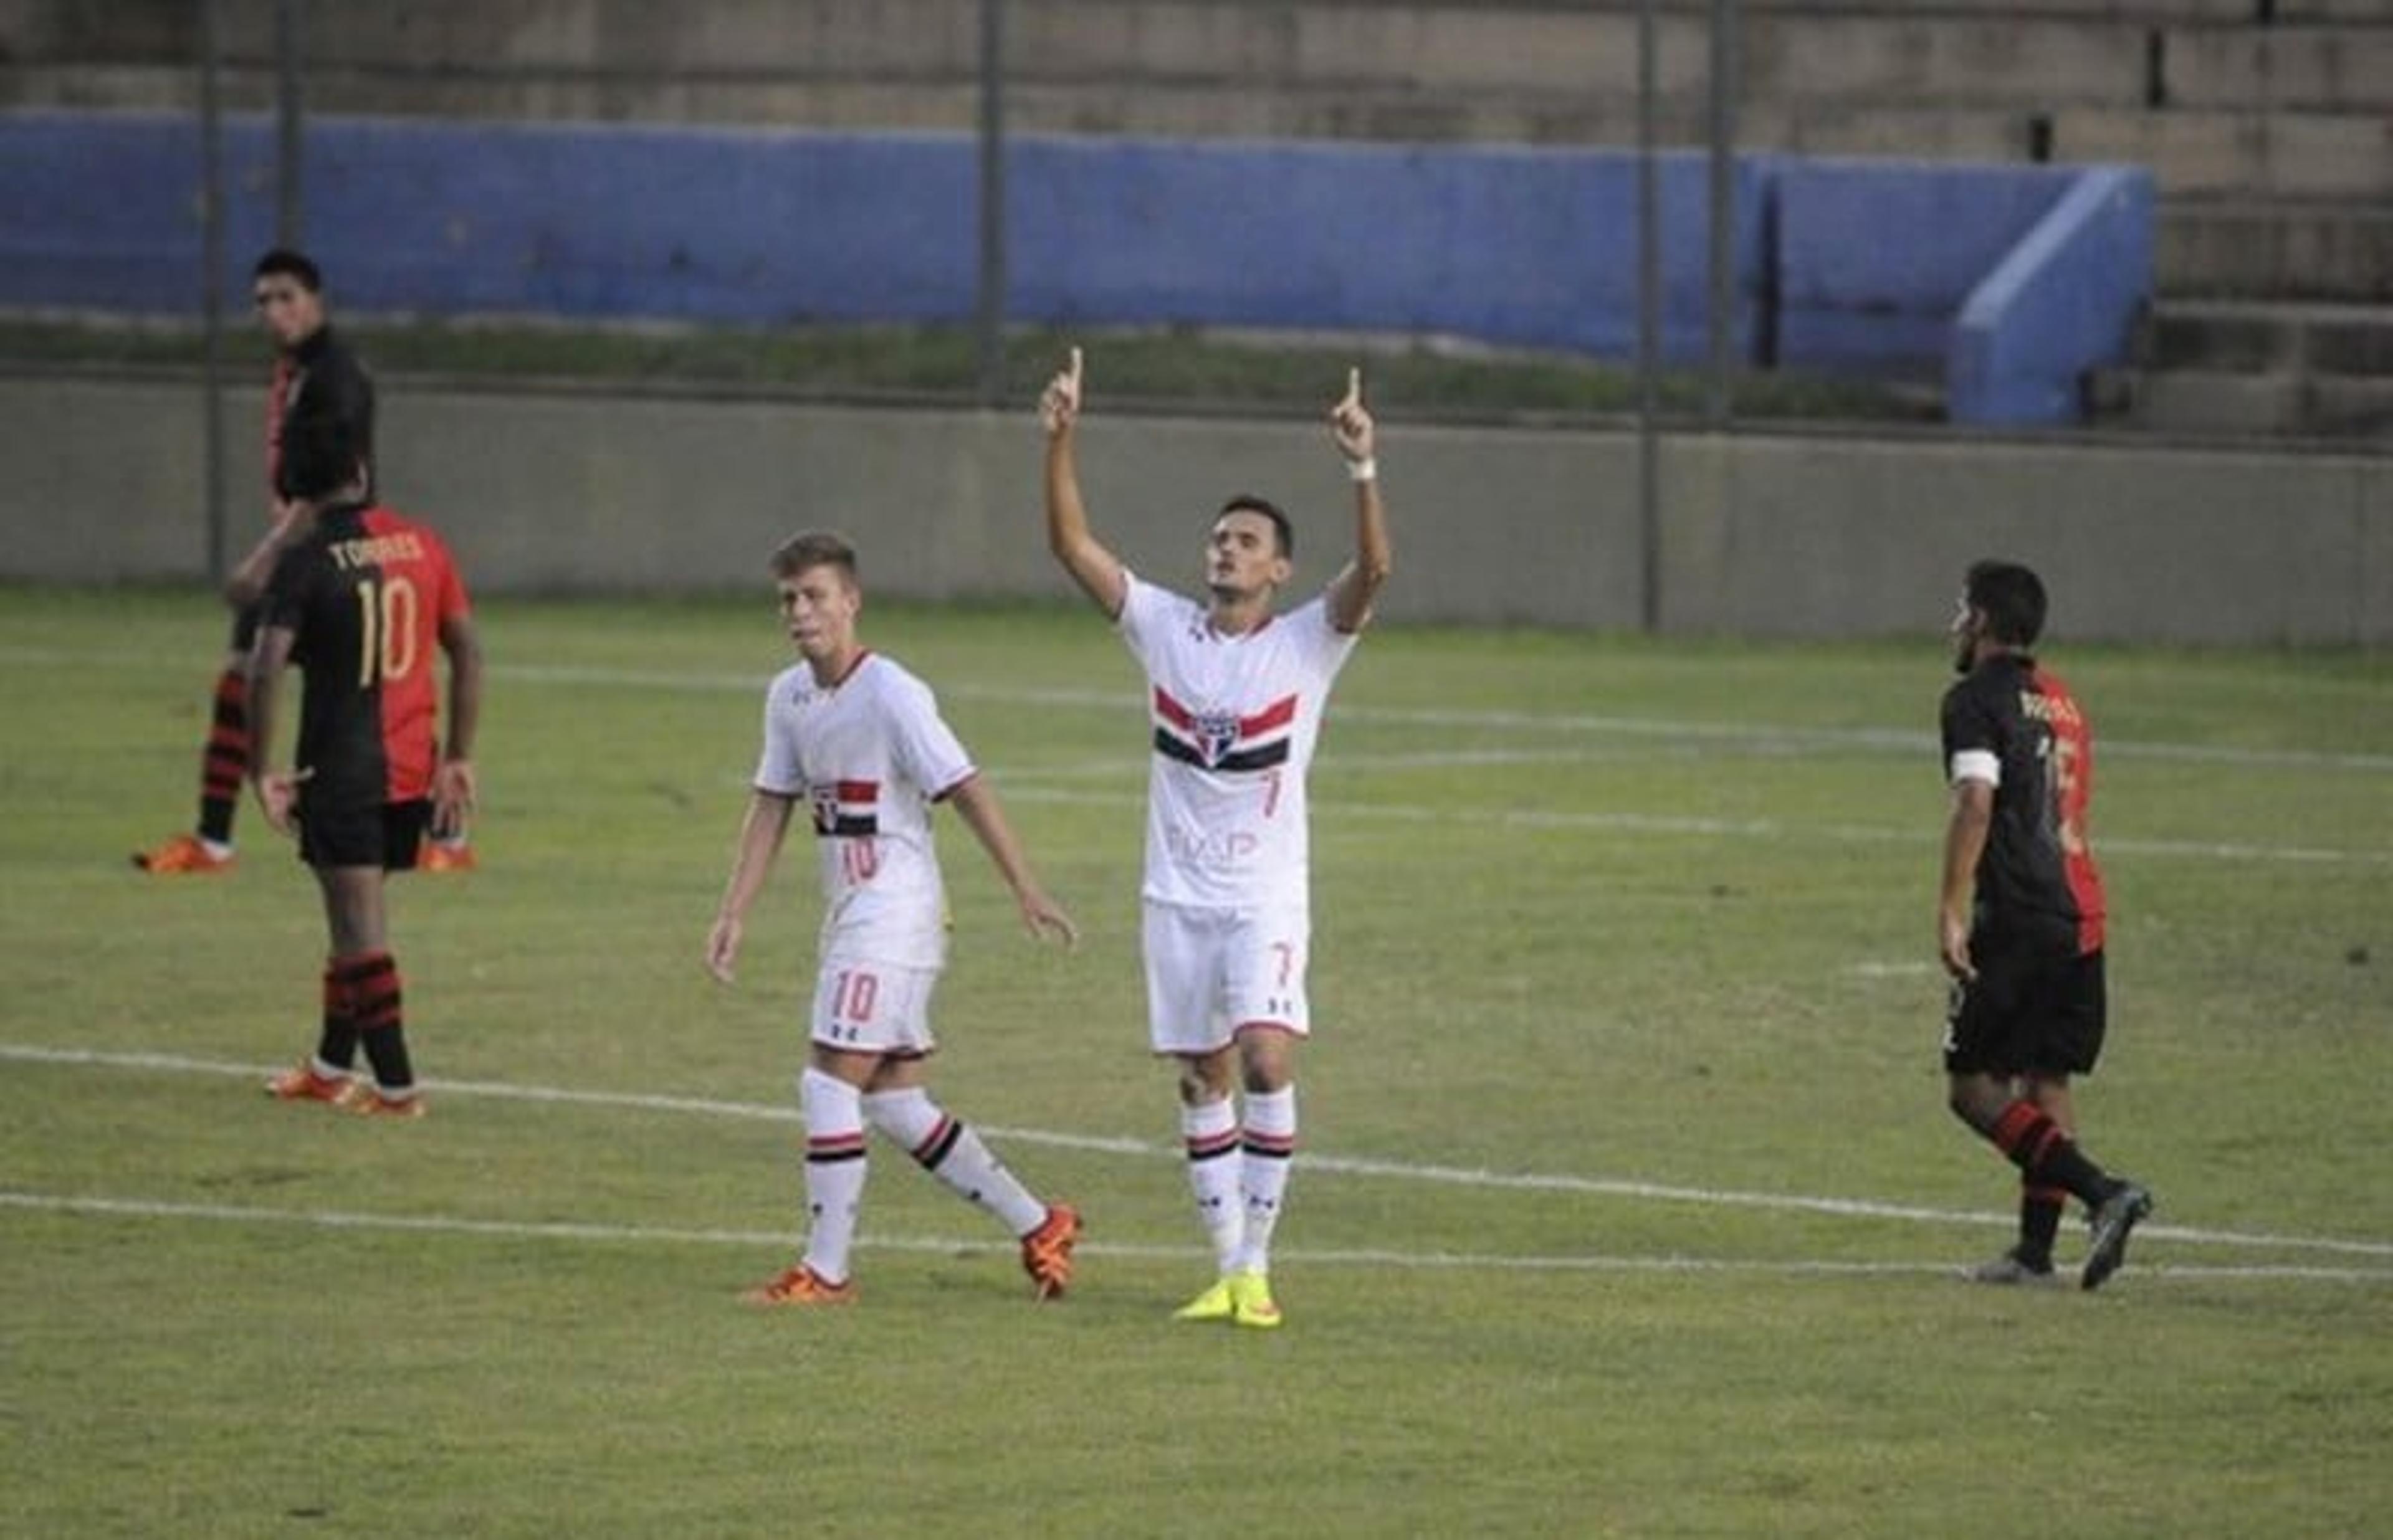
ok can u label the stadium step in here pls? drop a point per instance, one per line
(2246, 369)
(2276, 405)
(2330, 249)
(2250, 337)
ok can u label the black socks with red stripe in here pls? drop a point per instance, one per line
(2040, 1211)
(225, 762)
(2047, 1156)
(363, 1004)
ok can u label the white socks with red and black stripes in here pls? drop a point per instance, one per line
(951, 1151)
(1240, 1174)
(1267, 1150)
(1210, 1130)
(835, 1170)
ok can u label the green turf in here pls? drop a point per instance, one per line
(1599, 911)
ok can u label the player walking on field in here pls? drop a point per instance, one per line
(860, 742)
(1235, 697)
(2019, 924)
(360, 600)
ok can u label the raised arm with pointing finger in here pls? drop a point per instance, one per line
(1235, 700)
(1352, 590)
(1097, 570)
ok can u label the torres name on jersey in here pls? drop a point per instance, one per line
(365, 598)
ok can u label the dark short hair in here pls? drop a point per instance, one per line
(814, 548)
(284, 262)
(2011, 596)
(1246, 503)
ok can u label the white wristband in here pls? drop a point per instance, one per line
(1362, 470)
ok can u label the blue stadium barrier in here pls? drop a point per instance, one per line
(1519, 246)
(455, 218)
(1876, 257)
(1840, 266)
(2064, 300)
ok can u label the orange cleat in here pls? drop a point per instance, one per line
(1047, 1251)
(373, 1104)
(801, 1286)
(443, 855)
(183, 854)
(301, 1083)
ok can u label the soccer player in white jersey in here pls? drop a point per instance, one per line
(859, 741)
(1236, 694)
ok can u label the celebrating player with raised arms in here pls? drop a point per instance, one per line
(1236, 693)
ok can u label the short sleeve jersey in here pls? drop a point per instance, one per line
(1235, 723)
(869, 755)
(2017, 728)
(320, 422)
(364, 597)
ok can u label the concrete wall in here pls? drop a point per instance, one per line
(1765, 536)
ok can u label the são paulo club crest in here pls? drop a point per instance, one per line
(1216, 733)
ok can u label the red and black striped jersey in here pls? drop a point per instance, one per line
(364, 598)
(2015, 726)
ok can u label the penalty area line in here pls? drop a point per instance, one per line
(1314, 1162)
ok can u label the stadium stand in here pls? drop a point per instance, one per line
(2268, 123)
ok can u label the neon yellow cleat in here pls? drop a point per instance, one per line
(1252, 1303)
(1214, 1304)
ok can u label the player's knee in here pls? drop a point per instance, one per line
(1264, 1063)
(1203, 1080)
(1968, 1098)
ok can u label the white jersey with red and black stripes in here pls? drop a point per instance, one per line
(869, 755)
(1234, 720)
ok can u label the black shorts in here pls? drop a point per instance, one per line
(2038, 1006)
(245, 624)
(355, 833)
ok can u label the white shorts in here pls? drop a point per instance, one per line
(874, 1007)
(1211, 973)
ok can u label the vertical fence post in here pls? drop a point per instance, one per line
(212, 280)
(290, 211)
(1649, 324)
(991, 319)
(1719, 404)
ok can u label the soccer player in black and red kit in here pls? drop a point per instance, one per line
(2019, 924)
(317, 387)
(359, 601)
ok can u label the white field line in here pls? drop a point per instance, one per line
(1028, 787)
(1893, 969)
(1711, 735)
(1764, 738)
(323, 1219)
(1707, 736)
(1313, 1162)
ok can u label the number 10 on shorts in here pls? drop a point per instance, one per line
(854, 992)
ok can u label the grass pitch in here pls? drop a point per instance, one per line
(1628, 1204)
